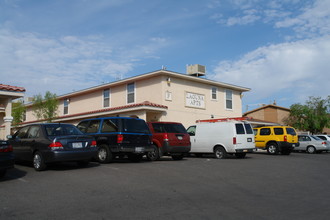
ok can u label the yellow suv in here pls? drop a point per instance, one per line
(276, 139)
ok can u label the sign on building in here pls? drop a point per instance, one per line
(195, 100)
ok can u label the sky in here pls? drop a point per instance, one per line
(280, 49)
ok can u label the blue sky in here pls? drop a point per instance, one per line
(280, 48)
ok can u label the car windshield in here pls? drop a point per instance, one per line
(290, 131)
(61, 130)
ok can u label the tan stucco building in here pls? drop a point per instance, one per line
(269, 113)
(156, 96)
(7, 95)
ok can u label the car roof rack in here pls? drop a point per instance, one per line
(224, 119)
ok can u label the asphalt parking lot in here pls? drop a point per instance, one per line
(257, 187)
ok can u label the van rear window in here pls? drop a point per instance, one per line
(239, 129)
(248, 128)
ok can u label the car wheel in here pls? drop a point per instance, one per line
(220, 153)
(272, 148)
(135, 157)
(154, 154)
(240, 155)
(311, 150)
(2, 173)
(39, 162)
(104, 154)
(177, 157)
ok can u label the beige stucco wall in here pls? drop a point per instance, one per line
(178, 111)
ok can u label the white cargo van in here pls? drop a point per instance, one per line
(222, 137)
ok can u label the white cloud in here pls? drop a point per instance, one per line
(59, 65)
(314, 19)
(298, 69)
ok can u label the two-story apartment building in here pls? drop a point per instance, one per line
(161, 95)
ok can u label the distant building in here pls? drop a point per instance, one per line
(161, 95)
(7, 95)
(269, 114)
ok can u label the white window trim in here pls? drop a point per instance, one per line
(134, 93)
(109, 98)
(216, 93)
(232, 100)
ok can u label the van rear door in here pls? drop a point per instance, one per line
(244, 136)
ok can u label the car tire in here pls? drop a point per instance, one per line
(311, 150)
(135, 157)
(104, 154)
(220, 153)
(154, 154)
(240, 155)
(177, 157)
(39, 162)
(272, 148)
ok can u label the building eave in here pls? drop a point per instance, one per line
(154, 73)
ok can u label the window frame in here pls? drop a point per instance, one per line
(129, 93)
(214, 93)
(231, 99)
(106, 99)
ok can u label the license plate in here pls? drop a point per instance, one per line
(77, 145)
(249, 140)
(293, 145)
(180, 137)
(139, 149)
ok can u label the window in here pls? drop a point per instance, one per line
(34, 132)
(110, 125)
(23, 132)
(93, 126)
(192, 130)
(229, 99)
(278, 131)
(130, 93)
(214, 91)
(248, 128)
(239, 129)
(265, 131)
(106, 98)
(66, 106)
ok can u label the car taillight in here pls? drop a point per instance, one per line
(56, 145)
(7, 148)
(165, 137)
(324, 143)
(120, 138)
(285, 138)
(234, 140)
(93, 144)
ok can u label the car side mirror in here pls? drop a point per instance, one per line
(9, 137)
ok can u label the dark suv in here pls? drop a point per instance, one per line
(169, 138)
(118, 136)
